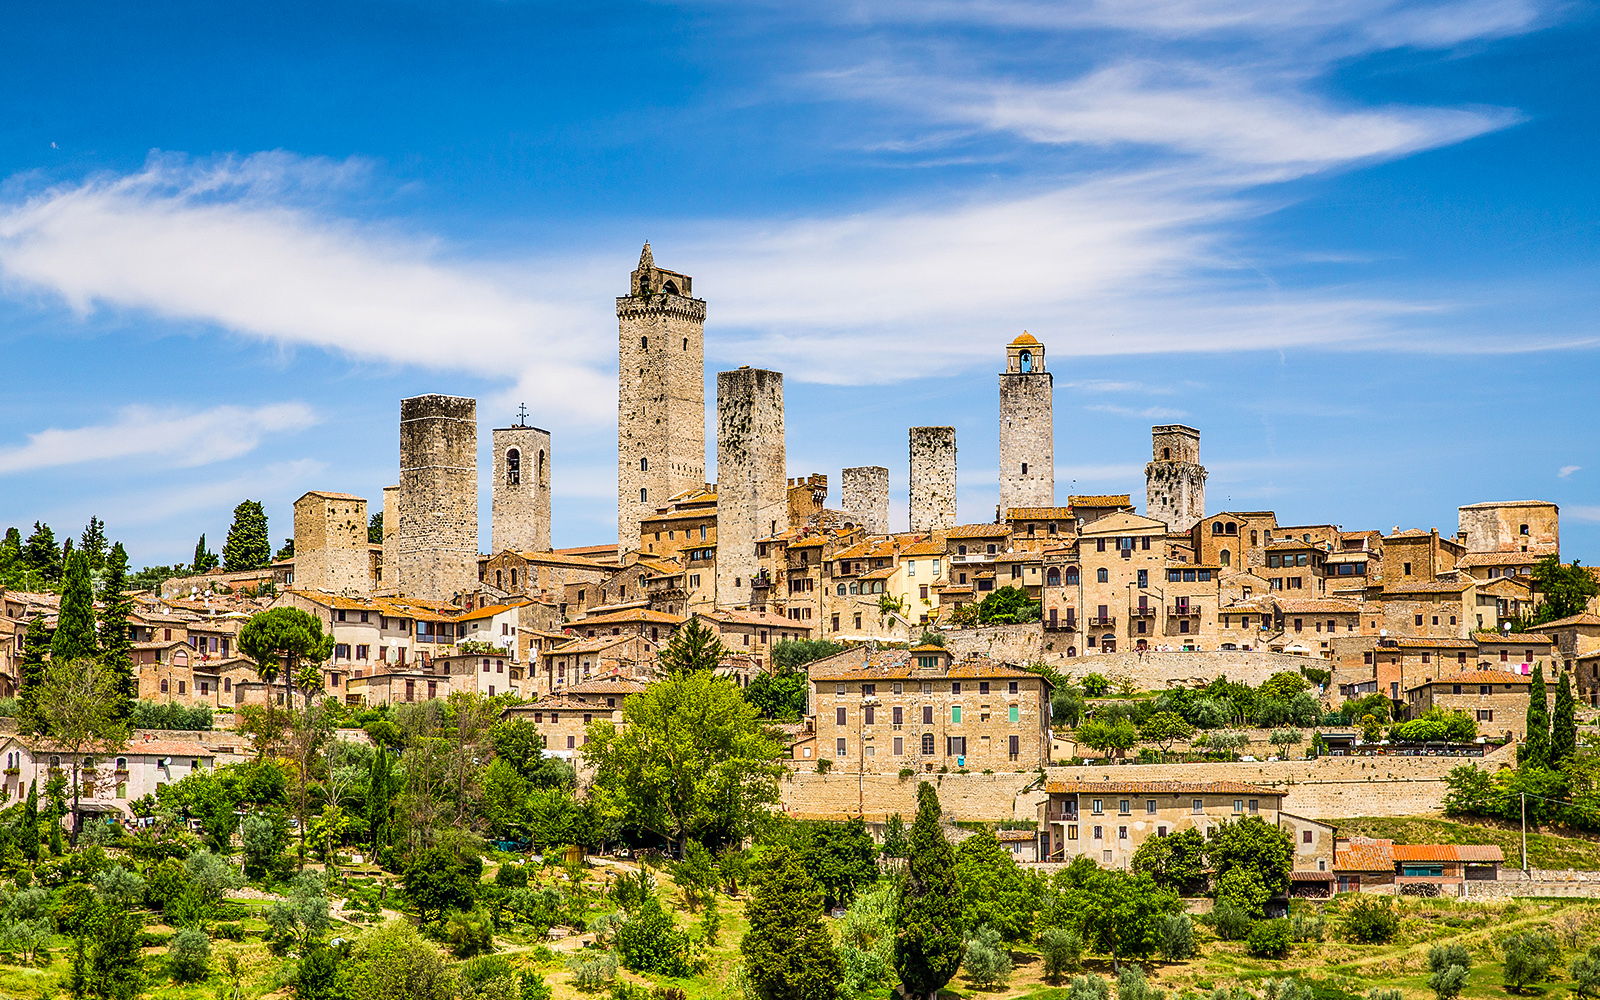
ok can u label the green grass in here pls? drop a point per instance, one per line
(1545, 850)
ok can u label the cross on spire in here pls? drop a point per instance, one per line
(522, 415)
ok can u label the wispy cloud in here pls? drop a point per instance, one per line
(173, 439)
(1567, 470)
(1149, 412)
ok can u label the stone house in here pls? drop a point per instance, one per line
(1311, 624)
(1497, 699)
(1498, 601)
(1414, 556)
(564, 723)
(1362, 863)
(1576, 636)
(1034, 529)
(1434, 609)
(753, 633)
(886, 710)
(1493, 565)
(532, 573)
(631, 656)
(1232, 539)
(1119, 562)
(1108, 821)
(394, 687)
(689, 520)
(487, 676)
(1528, 526)
(110, 783)
(496, 625)
(1517, 652)
(1295, 568)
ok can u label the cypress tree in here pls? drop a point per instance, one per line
(1536, 745)
(42, 556)
(247, 546)
(35, 653)
(204, 559)
(75, 638)
(1563, 725)
(116, 649)
(928, 931)
(92, 543)
(28, 831)
(788, 954)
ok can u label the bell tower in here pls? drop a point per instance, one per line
(1027, 428)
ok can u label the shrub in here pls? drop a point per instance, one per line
(1095, 686)
(987, 961)
(1088, 987)
(1270, 939)
(189, 957)
(824, 765)
(1585, 973)
(1306, 927)
(469, 934)
(1132, 985)
(1380, 993)
(593, 973)
(511, 876)
(1528, 956)
(1177, 937)
(228, 932)
(1371, 921)
(1285, 989)
(1232, 923)
(1061, 949)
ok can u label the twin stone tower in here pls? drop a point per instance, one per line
(431, 517)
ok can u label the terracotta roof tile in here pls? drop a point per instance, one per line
(1368, 856)
(1102, 500)
(1158, 787)
(1447, 852)
(978, 531)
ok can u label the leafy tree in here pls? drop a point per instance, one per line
(995, 892)
(692, 760)
(792, 654)
(1563, 725)
(1118, 912)
(319, 976)
(204, 559)
(517, 742)
(74, 638)
(92, 543)
(693, 648)
(116, 967)
(189, 956)
(928, 938)
(116, 645)
(648, 941)
(438, 879)
(1008, 606)
(1060, 947)
(77, 704)
(1283, 685)
(1585, 972)
(286, 552)
(987, 961)
(265, 835)
(1177, 937)
(841, 857)
(302, 917)
(42, 556)
(1253, 845)
(279, 640)
(1164, 729)
(1527, 958)
(27, 834)
(1095, 685)
(780, 696)
(1176, 862)
(1108, 737)
(1371, 920)
(1232, 922)
(1269, 939)
(393, 961)
(375, 529)
(248, 546)
(1535, 750)
(895, 844)
(378, 789)
(1447, 970)
(1566, 590)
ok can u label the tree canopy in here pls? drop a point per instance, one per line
(247, 546)
(694, 647)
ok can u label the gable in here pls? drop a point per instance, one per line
(1124, 523)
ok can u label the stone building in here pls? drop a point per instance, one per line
(1027, 428)
(752, 492)
(1417, 556)
(661, 397)
(1523, 526)
(437, 548)
(865, 493)
(331, 551)
(933, 478)
(1175, 481)
(391, 539)
(520, 508)
(1496, 699)
(1107, 821)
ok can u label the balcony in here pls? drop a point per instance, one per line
(1062, 814)
(1061, 624)
(1109, 622)
(1184, 611)
(1144, 611)
(972, 557)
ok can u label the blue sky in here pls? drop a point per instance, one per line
(1355, 244)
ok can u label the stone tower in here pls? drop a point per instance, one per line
(661, 395)
(1175, 481)
(521, 507)
(752, 493)
(933, 478)
(436, 547)
(1027, 428)
(389, 570)
(330, 544)
(865, 494)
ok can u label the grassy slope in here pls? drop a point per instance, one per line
(1545, 850)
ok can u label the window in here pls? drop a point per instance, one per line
(927, 716)
(955, 687)
(1255, 805)
(955, 714)
(899, 716)
(1072, 831)
(1097, 806)
(1144, 579)
(1124, 807)
(927, 743)
(642, 494)
(1238, 805)
(899, 687)
(1198, 807)
(899, 745)
(1101, 576)
(1122, 833)
(838, 716)
(1150, 807)
(867, 715)
(1011, 713)
(1305, 836)
(1099, 833)
(955, 746)
(839, 747)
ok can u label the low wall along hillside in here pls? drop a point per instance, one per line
(1023, 644)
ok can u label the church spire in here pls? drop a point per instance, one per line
(645, 260)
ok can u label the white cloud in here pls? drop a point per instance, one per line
(1149, 412)
(235, 243)
(175, 439)
(1567, 470)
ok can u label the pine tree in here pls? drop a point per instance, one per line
(74, 638)
(1563, 725)
(287, 552)
(375, 529)
(42, 556)
(247, 546)
(788, 954)
(1536, 745)
(35, 653)
(116, 649)
(204, 559)
(928, 931)
(92, 543)
(28, 829)
(693, 648)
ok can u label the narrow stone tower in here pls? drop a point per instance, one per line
(661, 394)
(437, 543)
(865, 493)
(521, 509)
(752, 493)
(933, 478)
(389, 572)
(1175, 481)
(331, 553)
(1027, 428)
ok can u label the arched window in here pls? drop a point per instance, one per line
(671, 288)
(1101, 576)
(644, 465)
(642, 494)
(513, 467)
(1216, 528)
(1072, 576)
(686, 343)
(513, 579)
(841, 590)
(1025, 361)
(163, 685)
(1072, 650)
(1052, 577)
(498, 584)
(1523, 530)
(1226, 558)
(927, 744)
(541, 467)
(1232, 529)
(1166, 452)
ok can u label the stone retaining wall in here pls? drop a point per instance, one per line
(1023, 644)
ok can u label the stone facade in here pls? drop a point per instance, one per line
(933, 478)
(1107, 821)
(330, 543)
(391, 539)
(1175, 481)
(521, 505)
(752, 492)
(1530, 526)
(661, 396)
(437, 548)
(1027, 428)
(866, 495)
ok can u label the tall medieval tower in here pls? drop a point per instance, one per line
(521, 510)
(661, 394)
(752, 493)
(1175, 481)
(933, 478)
(1027, 428)
(866, 495)
(436, 549)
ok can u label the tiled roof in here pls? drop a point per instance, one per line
(923, 548)
(1293, 543)
(884, 664)
(1477, 677)
(1315, 606)
(331, 496)
(1580, 619)
(1158, 787)
(1522, 637)
(1026, 340)
(1507, 503)
(611, 685)
(1447, 852)
(1420, 642)
(978, 531)
(631, 615)
(598, 644)
(1311, 876)
(1039, 513)
(1014, 835)
(1365, 856)
(492, 610)
(880, 574)
(1102, 500)
(556, 559)
(1498, 559)
(730, 617)
(815, 541)
(1440, 587)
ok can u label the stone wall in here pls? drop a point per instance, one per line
(437, 549)
(1534, 882)
(661, 395)
(752, 492)
(1027, 440)
(520, 512)
(1175, 481)
(933, 478)
(390, 571)
(866, 495)
(330, 544)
